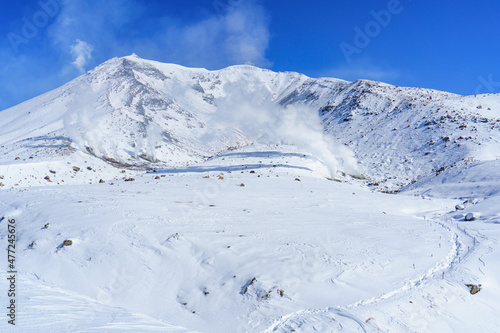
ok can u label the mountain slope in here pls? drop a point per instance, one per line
(402, 134)
(130, 111)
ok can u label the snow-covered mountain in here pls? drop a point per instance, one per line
(150, 197)
(130, 111)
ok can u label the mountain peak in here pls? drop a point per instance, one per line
(132, 111)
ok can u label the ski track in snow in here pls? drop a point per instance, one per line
(442, 268)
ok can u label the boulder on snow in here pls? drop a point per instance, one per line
(248, 284)
(474, 289)
(459, 207)
(67, 242)
(470, 217)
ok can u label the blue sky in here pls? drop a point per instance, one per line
(447, 45)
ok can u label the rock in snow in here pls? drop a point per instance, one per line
(470, 217)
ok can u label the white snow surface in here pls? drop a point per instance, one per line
(244, 200)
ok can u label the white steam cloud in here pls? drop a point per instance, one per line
(263, 121)
(82, 51)
(77, 120)
(147, 146)
(85, 125)
(88, 122)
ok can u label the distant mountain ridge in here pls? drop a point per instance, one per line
(130, 111)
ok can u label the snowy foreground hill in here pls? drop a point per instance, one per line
(153, 197)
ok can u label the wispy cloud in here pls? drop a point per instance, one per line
(235, 33)
(81, 34)
(239, 36)
(82, 52)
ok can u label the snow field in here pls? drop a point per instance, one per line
(183, 249)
